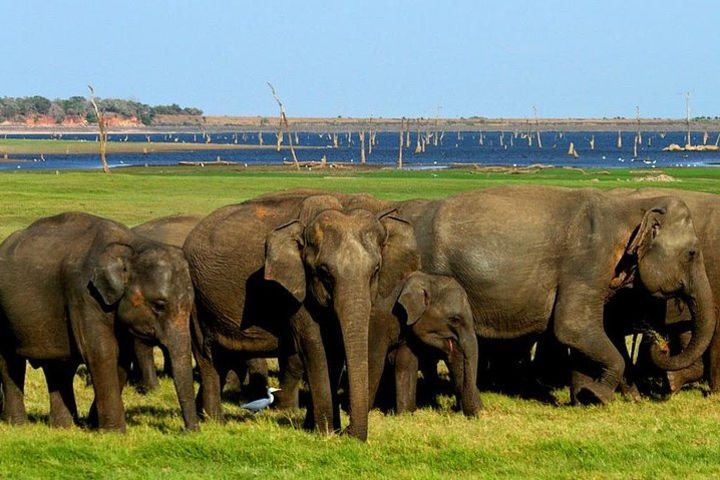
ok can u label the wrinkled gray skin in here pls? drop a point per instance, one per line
(171, 230)
(705, 208)
(74, 288)
(529, 255)
(290, 263)
(425, 311)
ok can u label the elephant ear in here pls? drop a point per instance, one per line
(414, 299)
(400, 255)
(646, 231)
(639, 243)
(283, 258)
(110, 272)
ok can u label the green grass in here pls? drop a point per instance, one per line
(512, 437)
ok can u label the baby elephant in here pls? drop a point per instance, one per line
(75, 288)
(429, 311)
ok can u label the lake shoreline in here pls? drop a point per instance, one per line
(320, 125)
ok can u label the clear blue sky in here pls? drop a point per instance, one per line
(379, 58)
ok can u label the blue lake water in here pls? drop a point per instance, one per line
(498, 148)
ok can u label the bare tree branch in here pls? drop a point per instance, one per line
(102, 126)
(284, 123)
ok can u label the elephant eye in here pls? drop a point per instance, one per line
(158, 306)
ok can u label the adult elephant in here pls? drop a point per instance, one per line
(531, 258)
(705, 208)
(75, 288)
(294, 263)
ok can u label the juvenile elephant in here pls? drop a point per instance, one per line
(425, 311)
(530, 258)
(293, 270)
(74, 288)
(171, 230)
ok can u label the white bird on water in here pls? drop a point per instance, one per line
(263, 403)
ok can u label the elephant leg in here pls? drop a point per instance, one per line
(108, 408)
(291, 373)
(257, 377)
(208, 396)
(713, 362)
(694, 372)
(579, 325)
(406, 370)
(12, 374)
(59, 378)
(314, 358)
(146, 365)
(167, 363)
(627, 383)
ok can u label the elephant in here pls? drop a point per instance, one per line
(74, 288)
(291, 272)
(171, 230)
(425, 311)
(533, 258)
(705, 208)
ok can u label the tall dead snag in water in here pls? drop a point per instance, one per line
(400, 151)
(284, 124)
(537, 127)
(102, 126)
(362, 147)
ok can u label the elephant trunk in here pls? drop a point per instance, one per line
(352, 307)
(179, 350)
(463, 361)
(700, 302)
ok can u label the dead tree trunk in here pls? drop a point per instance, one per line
(400, 151)
(362, 147)
(284, 123)
(102, 126)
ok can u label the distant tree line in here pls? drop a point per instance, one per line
(20, 108)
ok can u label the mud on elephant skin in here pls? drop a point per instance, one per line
(75, 288)
(526, 255)
(301, 270)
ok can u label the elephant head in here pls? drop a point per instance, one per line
(333, 257)
(665, 259)
(148, 285)
(438, 314)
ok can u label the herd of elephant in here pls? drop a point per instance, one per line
(339, 286)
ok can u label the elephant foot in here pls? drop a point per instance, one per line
(630, 392)
(358, 433)
(593, 394)
(675, 382)
(145, 388)
(61, 421)
(15, 419)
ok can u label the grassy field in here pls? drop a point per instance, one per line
(14, 147)
(511, 438)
